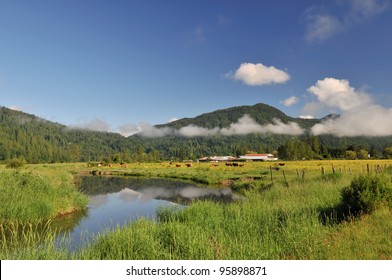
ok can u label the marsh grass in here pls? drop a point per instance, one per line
(32, 241)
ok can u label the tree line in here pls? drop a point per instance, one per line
(40, 141)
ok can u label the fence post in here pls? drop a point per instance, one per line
(285, 180)
(322, 171)
(272, 178)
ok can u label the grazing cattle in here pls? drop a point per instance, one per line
(276, 168)
(282, 164)
(178, 165)
(229, 164)
(188, 165)
(214, 165)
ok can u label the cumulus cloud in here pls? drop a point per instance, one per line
(360, 116)
(290, 101)
(339, 94)
(258, 74)
(322, 26)
(373, 120)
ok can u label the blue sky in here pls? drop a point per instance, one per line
(113, 65)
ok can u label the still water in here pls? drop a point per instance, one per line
(116, 201)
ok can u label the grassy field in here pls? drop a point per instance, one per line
(288, 213)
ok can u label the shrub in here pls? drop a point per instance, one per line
(16, 162)
(365, 194)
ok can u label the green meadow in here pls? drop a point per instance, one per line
(290, 210)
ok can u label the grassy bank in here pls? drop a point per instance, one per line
(29, 196)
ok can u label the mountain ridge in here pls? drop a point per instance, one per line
(260, 112)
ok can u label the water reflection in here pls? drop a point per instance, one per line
(118, 201)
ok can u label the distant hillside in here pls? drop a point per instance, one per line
(261, 113)
(39, 140)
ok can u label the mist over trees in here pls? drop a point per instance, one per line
(39, 141)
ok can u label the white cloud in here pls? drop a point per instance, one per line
(16, 108)
(290, 101)
(149, 130)
(173, 119)
(95, 124)
(322, 26)
(194, 131)
(373, 120)
(245, 125)
(306, 117)
(364, 9)
(359, 115)
(338, 94)
(258, 74)
(128, 129)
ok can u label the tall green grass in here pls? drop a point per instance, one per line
(31, 241)
(26, 197)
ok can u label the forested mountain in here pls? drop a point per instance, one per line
(261, 113)
(39, 140)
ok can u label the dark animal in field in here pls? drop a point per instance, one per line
(178, 165)
(188, 165)
(214, 165)
(229, 164)
(282, 164)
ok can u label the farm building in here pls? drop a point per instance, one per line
(259, 157)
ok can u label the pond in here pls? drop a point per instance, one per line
(116, 201)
